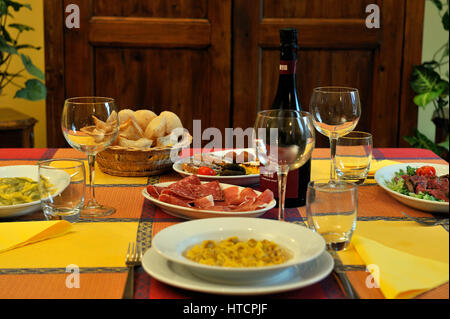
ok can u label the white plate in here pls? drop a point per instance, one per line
(242, 180)
(193, 213)
(59, 179)
(387, 173)
(302, 243)
(293, 278)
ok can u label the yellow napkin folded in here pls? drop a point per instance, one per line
(411, 259)
(376, 165)
(99, 244)
(320, 169)
(17, 234)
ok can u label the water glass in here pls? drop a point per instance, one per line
(62, 184)
(331, 210)
(353, 156)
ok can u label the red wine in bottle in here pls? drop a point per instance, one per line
(287, 98)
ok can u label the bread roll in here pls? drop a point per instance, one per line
(156, 128)
(131, 130)
(173, 121)
(140, 143)
(144, 117)
(125, 114)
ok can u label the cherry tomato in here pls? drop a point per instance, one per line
(426, 171)
(204, 170)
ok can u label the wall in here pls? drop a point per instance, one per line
(35, 19)
(434, 36)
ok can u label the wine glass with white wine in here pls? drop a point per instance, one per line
(335, 112)
(90, 124)
(284, 141)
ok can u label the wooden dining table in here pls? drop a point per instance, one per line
(29, 272)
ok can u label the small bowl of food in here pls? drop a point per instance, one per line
(19, 193)
(238, 250)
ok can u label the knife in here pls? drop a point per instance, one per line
(342, 278)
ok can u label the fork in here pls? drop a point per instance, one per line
(443, 221)
(133, 259)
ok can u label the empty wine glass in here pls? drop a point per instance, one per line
(90, 124)
(284, 141)
(335, 112)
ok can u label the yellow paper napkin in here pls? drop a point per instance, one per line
(320, 169)
(410, 259)
(99, 244)
(376, 165)
(17, 234)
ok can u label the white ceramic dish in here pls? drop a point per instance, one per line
(59, 179)
(301, 243)
(387, 173)
(242, 180)
(193, 213)
(292, 278)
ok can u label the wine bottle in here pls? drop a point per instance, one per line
(287, 98)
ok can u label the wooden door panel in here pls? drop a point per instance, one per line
(177, 55)
(329, 9)
(195, 9)
(146, 79)
(162, 55)
(335, 48)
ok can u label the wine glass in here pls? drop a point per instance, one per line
(90, 124)
(284, 141)
(335, 112)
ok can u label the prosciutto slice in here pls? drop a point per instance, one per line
(190, 192)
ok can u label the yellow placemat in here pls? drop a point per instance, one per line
(99, 244)
(13, 235)
(411, 258)
(320, 169)
(106, 179)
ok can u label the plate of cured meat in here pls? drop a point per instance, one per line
(190, 198)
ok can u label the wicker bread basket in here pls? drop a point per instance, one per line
(132, 162)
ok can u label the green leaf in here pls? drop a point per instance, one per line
(425, 98)
(21, 27)
(428, 84)
(418, 140)
(16, 5)
(438, 4)
(34, 90)
(444, 144)
(31, 68)
(5, 47)
(445, 20)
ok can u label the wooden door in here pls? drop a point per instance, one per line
(160, 55)
(335, 48)
(217, 60)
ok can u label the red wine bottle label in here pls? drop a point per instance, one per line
(269, 180)
(288, 67)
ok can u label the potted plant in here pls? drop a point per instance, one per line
(10, 48)
(431, 85)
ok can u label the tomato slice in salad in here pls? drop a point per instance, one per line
(204, 170)
(426, 171)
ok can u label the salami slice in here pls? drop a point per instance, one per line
(173, 200)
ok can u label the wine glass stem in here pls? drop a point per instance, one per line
(333, 141)
(282, 181)
(91, 194)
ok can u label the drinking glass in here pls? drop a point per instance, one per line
(90, 124)
(284, 140)
(62, 185)
(353, 156)
(331, 210)
(335, 112)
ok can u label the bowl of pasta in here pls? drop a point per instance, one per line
(238, 249)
